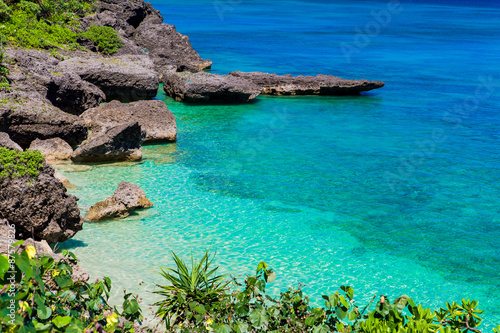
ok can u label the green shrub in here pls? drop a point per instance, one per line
(4, 71)
(15, 164)
(219, 307)
(5, 11)
(42, 296)
(105, 38)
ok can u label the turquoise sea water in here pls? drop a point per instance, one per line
(394, 192)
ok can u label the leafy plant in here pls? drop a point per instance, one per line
(247, 308)
(105, 38)
(190, 291)
(43, 296)
(15, 164)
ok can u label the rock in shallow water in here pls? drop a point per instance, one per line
(208, 88)
(154, 117)
(119, 143)
(273, 84)
(126, 198)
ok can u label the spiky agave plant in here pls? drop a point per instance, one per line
(190, 290)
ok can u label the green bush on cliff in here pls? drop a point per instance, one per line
(15, 164)
(52, 24)
(105, 38)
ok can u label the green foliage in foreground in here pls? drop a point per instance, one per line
(42, 296)
(197, 300)
(15, 164)
(105, 38)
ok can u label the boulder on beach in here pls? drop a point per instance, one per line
(39, 208)
(154, 117)
(126, 198)
(125, 78)
(54, 150)
(203, 87)
(273, 84)
(119, 143)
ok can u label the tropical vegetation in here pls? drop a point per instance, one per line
(41, 294)
(16, 164)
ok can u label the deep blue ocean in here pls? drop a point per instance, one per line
(393, 192)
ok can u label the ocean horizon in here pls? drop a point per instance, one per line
(392, 192)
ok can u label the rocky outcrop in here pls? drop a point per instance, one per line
(166, 46)
(39, 208)
(119, 143)
(54, 150)
(124, 78)
(71, 94)
(6, 142)
(60, 177)
(208, 88)
(154, 117)
(25, 116)
(273, 84)
(126, 198)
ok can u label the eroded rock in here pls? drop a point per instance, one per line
(26, 116)
(125, 78)
(207, 88)
(54, 150)
(126, 198)
(119, 143)
(40, 208)
(154, 117)
(6, 142)
(273, 84)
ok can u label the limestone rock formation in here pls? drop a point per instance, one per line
(154, 117)
(126, 198)
(6, 142)
(163, 42)
(54, 150)
(25, 116)
(72, 94)
(273, 84)
(125, 78)
(119, 143)
(208, 88)
(40, 208)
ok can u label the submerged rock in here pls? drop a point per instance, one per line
(40, 208)
(154, 117)
(6, 142)
(119, 143)
(205, 87)
(54, 150)
(125, 78)
(273, 84)
(126, 198)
